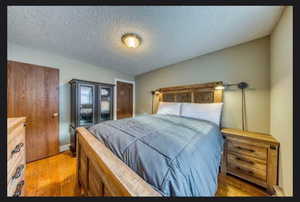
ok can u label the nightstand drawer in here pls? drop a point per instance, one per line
(247, 149)
(241, 170)
(256, 166)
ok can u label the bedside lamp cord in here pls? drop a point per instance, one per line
(152, 102)
(243, 109)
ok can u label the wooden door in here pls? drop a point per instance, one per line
(33, 92)
(124, 100)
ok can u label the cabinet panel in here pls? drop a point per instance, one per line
(86, 97)
(105, 103)
(73, 104)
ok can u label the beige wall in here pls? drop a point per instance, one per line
(248, 62)
(69, 69)
(282, 96)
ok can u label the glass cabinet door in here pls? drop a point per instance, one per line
(86, 104)
(105, 107)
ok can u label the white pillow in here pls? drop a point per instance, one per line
(210, 111)
(172, 108)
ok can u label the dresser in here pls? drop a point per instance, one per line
(251, 156)
(91, 103)
(16, 162)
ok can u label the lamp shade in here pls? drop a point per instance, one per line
(219, 87)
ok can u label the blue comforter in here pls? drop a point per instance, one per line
(178, 156)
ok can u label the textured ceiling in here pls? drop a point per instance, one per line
(170, 34)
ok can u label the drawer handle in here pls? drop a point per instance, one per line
(244, 160)
(19, 189)
(249, 172)
(245, 149)
(18, 172)
(17, 148)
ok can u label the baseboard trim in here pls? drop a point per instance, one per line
(64, 147)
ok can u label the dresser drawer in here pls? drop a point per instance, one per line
(17, 157)
(248, 165)
(15, 141)
(16, 170)
(248, 149)
(16, 188)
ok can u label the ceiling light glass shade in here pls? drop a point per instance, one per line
(131, 40)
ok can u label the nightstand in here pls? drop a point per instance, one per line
(251, 156)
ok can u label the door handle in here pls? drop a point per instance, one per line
(55, 115)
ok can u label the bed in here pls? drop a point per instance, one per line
(153, 155)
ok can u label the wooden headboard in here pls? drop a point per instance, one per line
(196, 93)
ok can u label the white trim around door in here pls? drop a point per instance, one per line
(115, 97)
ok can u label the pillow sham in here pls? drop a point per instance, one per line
(172, 108)
(208, 111)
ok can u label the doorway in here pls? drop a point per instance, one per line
(124, 99)
(33, 92)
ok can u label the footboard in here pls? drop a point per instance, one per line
(101, 173)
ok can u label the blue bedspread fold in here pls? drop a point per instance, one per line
(178, 156)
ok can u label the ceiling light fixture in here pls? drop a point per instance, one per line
(131, 40)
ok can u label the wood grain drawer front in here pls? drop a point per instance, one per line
(250, 171)
(19, 190)
(16, 142)
(248, 165)
(15, 131)
(17, 173)
(16, 187)
(16, 168)
(247, 149)
(17, 158)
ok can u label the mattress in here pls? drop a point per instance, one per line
(177, 156)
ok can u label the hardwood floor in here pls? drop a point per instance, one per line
(232, 186)
(55, 176)
(52, 176)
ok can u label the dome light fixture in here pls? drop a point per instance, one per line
(131, 40)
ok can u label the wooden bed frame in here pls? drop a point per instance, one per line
(101, 173)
